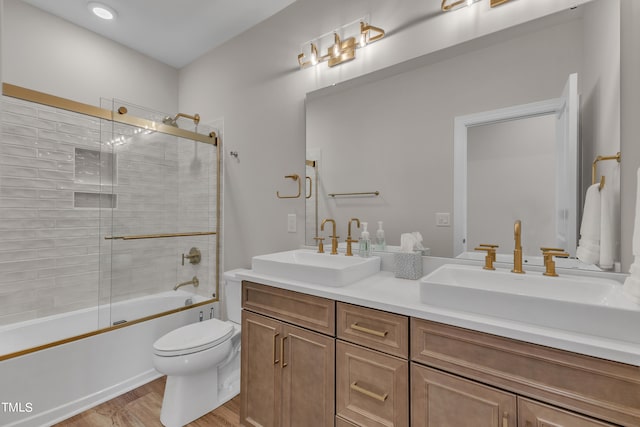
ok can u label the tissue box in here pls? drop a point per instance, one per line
(408, 265)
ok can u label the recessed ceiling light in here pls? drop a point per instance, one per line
(101, 10)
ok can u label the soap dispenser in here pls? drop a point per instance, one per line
(381, 245)
(365, 242)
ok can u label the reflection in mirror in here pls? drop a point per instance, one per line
(518, 163)
(510, 179)
(392, 131)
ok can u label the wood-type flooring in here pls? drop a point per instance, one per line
(141, 408)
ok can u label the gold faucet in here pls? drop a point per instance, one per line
(195, 282)
(517, 252)
(334, 237)
(491, 255)
(349, 239)
(549, 264)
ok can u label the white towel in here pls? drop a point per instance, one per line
(632, 283)
(608, 220)
(589, 244)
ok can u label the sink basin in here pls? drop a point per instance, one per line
(320, 269)
(587, 305)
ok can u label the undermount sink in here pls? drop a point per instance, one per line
(587, 305)
(312, 267)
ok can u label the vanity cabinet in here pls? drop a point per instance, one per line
(493, 375)
(311, 361)
(287, 371)
(372, 370)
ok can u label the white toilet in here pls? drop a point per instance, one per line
(201, 361)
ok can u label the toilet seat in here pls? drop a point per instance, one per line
(193, 338)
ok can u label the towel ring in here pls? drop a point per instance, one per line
(294, 177)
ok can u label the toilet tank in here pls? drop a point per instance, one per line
(232, 294)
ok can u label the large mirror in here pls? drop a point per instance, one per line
(383, 144)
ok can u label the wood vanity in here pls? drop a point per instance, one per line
(314, 361)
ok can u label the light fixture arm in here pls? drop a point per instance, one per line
(366, 29)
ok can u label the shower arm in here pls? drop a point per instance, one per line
(195, 118)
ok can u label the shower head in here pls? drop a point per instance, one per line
(173, 121)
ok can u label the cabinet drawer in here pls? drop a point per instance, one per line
(532, 414)
(372, 388)
(311, 312)
(375, 329)
(595, 387)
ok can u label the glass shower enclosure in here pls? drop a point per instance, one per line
(109, 213)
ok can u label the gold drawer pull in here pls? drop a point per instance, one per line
(505, 419)
(357, 327)
(356, 387)
(282, 362)
(275, 359)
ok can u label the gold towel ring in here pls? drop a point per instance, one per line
(294, 177)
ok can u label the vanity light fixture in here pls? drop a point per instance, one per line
(341, 50)
(102, 10)
(446, 6)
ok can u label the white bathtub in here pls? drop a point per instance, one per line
(47, 386)
(36, 332)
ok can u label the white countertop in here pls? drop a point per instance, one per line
(384, 291)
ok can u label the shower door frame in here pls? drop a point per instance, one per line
(120, 116)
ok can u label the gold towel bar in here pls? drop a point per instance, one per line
(616, 157)
(366, 193)
(159, 236)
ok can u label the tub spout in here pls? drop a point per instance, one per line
(195, 282)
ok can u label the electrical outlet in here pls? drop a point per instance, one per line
(291, 223)
(443, 219)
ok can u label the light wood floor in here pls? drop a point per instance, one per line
(141, 408)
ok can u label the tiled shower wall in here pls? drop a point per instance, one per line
(53, 254)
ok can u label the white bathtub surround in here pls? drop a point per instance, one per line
(632, 283)
(62, 381)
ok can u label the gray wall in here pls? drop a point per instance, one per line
(254, 85)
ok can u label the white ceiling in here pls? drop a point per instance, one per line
(171, 31)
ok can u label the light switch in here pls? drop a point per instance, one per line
(291, 223)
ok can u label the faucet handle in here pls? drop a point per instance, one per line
(546, 249)
(320, 244)
(550, 265)
(349, 242)
(491, 255)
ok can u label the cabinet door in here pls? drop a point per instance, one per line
(372, 388)
(308, 378)
(442, 400)
(260, 373)
(534, 414)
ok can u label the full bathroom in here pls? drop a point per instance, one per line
(435, 227)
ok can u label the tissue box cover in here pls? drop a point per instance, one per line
(408, 265)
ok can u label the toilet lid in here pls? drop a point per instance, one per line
(193, 338)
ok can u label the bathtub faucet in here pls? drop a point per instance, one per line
(195, 282)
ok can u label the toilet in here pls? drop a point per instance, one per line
(201, 361)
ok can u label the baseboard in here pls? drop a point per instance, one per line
(70, 409)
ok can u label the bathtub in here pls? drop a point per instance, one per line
(33, 333)
(52, 384)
